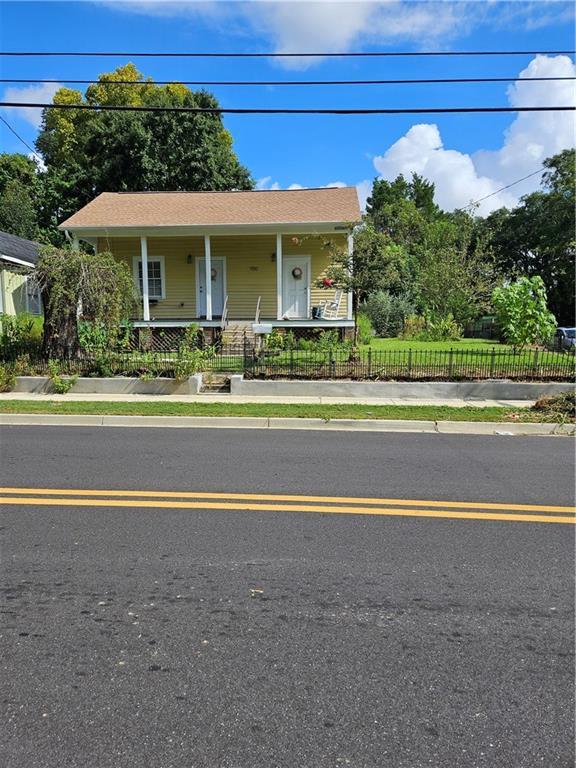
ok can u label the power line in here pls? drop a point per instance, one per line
(416, 81)
(512, 184)
(7, 124)
(277, 55)
(259, 111)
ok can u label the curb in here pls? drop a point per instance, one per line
(248, 422)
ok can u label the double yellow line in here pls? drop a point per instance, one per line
(256, 502)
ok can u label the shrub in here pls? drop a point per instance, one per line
(387, 312)
(7, 376)
(275, 340)
(414, 326)
(522, 311)
(442, 329)
(19, 333)
(191, 338)
(426, 328)
(364, 328)
(61, 384)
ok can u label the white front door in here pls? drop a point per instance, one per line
(296, 286)
(218, 287)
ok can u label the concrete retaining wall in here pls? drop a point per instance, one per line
(118, 385)
(464, 390)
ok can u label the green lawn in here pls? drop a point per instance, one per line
(477, 345)
(269, 410)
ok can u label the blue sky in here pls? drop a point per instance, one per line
(467, 156)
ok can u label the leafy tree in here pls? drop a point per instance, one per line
(377, 264)
(455, 273)
(18, 211)
(81, 287)
(402, 208)
(537, 237)
(18, 190)
(89, 152)
(522, 311)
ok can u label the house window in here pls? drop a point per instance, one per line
(33, 300)
(156, 278)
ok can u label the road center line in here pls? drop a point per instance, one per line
(288, 497)
(382, 511)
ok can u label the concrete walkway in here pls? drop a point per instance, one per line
(227, 398)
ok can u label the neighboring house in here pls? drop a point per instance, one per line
(224, 258)
(18, 293)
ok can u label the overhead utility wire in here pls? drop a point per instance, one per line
(7, 124)
(415, 81)
(512, 184)
(270, 54)
(258, 111)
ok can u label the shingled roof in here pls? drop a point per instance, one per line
(12, 247)
(329, 205)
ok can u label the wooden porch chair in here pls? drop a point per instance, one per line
(329, 309)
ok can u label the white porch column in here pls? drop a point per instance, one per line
(279, 311)
(144, 260)
(75, 243)
(350, 314)
(208, 280)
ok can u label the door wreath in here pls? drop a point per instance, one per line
(214, 274)
(297, 273)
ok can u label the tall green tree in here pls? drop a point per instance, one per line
(18, 195)
(537, 237)
(88, 152)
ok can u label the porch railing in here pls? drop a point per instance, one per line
(257, 315)
(225, 312)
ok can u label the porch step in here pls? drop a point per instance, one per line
(215, 382)
(236, 332)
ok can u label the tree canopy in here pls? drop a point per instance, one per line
(537, 237)
(89, 152)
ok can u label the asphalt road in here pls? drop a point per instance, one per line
(190, 638)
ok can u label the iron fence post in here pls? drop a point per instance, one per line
(535, 364)
(409, 363)
(492, 362)
(450, 355)
(369, 362)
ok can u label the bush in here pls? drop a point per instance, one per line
(19, 334)
(365, 330)
(7, 376)
(61, 384)
(427, 328)
(414, 327)
(387, 312)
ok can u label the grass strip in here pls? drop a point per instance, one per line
(279, 410)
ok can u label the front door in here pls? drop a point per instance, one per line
(296, 286)
(217, 287)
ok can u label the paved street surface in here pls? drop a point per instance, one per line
(287, 599)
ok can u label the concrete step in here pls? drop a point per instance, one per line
(215, 382)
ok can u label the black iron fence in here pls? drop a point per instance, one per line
(415, 365)
(337, 363)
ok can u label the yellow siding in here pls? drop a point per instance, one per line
(14, 293)
(250, 270)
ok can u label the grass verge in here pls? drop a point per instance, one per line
(279, 410)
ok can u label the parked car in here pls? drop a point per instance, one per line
(565, 338)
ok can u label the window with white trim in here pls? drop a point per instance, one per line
(156, 278)
(33, 298)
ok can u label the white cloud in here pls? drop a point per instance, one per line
(299, 26)
(533, 136)
(35, 94)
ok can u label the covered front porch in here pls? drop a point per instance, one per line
(215, 280)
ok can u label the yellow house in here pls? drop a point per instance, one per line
(18, 294)
(221, 259)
